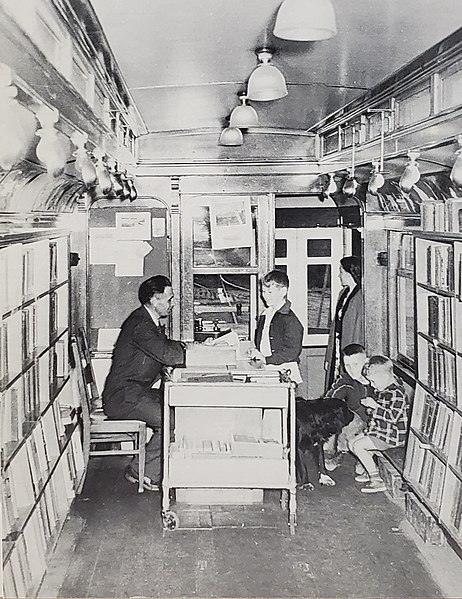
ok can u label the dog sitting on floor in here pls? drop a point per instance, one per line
(317, 420)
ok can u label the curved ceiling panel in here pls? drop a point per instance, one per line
(184, 60)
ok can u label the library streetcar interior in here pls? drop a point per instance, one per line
(212, 143)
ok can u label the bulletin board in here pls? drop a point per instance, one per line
(127, 245)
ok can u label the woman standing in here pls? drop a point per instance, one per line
(347, 326)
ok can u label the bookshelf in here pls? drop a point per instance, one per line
(433, 466)
(41, 453)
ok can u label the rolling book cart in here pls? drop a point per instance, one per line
(233, 430)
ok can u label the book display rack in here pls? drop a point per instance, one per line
(41, 450)
(433, 465)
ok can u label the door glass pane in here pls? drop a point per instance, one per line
(406, 319)
(318, 247)
(318, 298)
(280, 248)
(221, 303)
(205, 255)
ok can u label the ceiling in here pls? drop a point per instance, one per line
(185, 61)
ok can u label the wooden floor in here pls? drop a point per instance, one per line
(347, 544)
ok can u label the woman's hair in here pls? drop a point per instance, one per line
(352, 265)
(153, 286)
(278, 277)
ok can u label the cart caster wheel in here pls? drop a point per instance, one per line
(170, 520)
(284, 500)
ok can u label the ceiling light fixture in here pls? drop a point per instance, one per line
(243, 116)
(411, 173)
(266, 81)
(231, 136)
(54, 148)
(377, 179)
(305, 20)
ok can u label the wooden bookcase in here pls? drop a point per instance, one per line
(433, 467)
(41, 452)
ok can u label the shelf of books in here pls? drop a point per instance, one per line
(41, 452)
(434, 453)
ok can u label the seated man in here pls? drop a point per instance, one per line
(279, 333)
(141, 352)
(351, 386)
(388, 422)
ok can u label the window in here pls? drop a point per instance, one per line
(414, 107)
(331, 142)
(80, 77)
(451, 86)
(223, 259)
(311, 259)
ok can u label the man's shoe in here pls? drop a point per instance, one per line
(362, 478)
(376, 485)
(133, 477)
(359, 468)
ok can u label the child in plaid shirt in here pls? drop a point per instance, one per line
(388, 422)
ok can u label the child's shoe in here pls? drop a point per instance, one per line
(326, 480)
(362, 478)
(376, 485)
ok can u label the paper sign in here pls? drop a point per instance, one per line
(130, 258)
(107, 338)
(158, 227)
(133, 225)
(231, 223)
(102, 245)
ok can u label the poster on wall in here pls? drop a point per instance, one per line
(135, 226)
(231, 223)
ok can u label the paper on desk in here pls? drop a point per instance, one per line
(230, 339)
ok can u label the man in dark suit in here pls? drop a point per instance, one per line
(141, 352)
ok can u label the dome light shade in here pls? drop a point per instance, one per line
(266, 82)
(411, 173)
(305, 20)
(243, 116)
(231, 136)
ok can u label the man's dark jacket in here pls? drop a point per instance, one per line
(141, 351)
(285, 334)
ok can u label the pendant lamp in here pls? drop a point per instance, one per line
(266, 82)
(54, 148)
(231, 136)
(243, 116)
(411, 173)
(350, 185)
(305, 20)
(83, 163)
(377, 180)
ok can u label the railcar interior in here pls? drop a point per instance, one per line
(231, 150)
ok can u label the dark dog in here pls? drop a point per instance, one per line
(317, 420)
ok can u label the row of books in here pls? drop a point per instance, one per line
(432, 419)
(442, 216)
(425, 470)
(439, 372)
(438, 270)
(439, 312)
(22, 402)
(27, 270)
(28, 544)
(451, 509)
(26, 333)
(455, 452)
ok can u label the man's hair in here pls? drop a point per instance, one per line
(352, 265)
(353, 349)
(381, 362)
(152, 286)
(278, 277)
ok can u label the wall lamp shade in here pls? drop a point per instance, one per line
(243, 116)
(305, 20)
(266, 82)
(17, 123)
(231, 136)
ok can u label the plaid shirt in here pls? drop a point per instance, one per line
(389, 420)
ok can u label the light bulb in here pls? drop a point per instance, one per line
(350, 185)
(377, 180)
